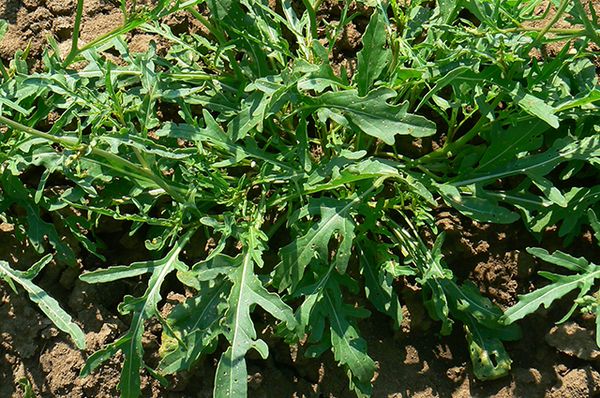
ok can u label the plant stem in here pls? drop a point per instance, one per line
(73, 143)
(67, 142)
(75, 40)
(312, 15)
(452, 147)
(564, 31)
(560, 10)
(4, 72)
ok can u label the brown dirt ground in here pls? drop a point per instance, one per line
(31, 22)
(414, 362)
(556, 46)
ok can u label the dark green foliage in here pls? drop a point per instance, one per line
(299, 184)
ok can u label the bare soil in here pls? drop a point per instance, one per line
(546, 15)
(416, 361)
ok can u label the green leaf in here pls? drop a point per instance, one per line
(3, 28)
(143, 308)
(595, 224)
(535, 106)
(47, 304)
(481, 319)
(549, 190)
(539, 213)
(530, 302)
(323, 303)
(145, 146)
(247, 291)
(38, 230)
(129, 271)
(349, 349)
(488, 355)
(581, 101)
(251, 116)
(212, 134)
(562, 150)
(373, 115)
(378, 281)
(334, 220)
(506, 143)
(560, 285)
(446, 10)
(483, 329)
(196, 324)
(484, 209)
(374, 57)
(562, 259)
(444, 81)
(317, 77)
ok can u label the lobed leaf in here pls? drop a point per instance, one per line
(373, 115)
(247, 291)
(560, 285)
(374, 57)
(328, 322)
(378, 281)
(47, 304)
(143, 308)
(334, 220)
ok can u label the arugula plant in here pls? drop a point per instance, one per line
(583, 279)
(306, 178)
(47, 304)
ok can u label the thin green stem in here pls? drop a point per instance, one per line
(559, 11)
(76, 29)
(176, 193)
(453, 146)
(312, 16)
(563, 31)
(67, 142)
(452, 126)
(4, 72)
(141, 159)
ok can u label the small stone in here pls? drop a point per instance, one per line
(49, 333)
(61, 7)
(456, 373)
(6, 227)
(255, 380)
